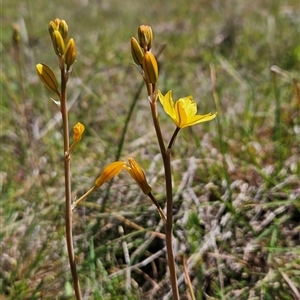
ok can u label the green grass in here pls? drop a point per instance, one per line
(236, 179)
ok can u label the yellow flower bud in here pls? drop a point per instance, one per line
(58, 43)
(137, 173)
(145, 37)
(63, 29)
(109, 172)
(16, 34)
(57, 22)
(51, 27)
(78, 130)
(70, 53)
(47, 77)
(150, 67)
(136, 51)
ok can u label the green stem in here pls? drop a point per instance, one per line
(69, 235)
(169, 195)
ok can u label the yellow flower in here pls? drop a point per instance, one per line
(137, 173)
(78, 130)
(109, 172)
(183, 112)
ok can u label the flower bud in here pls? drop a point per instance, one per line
(57, 22)
(16, 37)
(63, 29)
(136, 51)
(150, 67)
(47, 77)
(145, 37)
(58, 43)
(109, 172)
(51, 27)
(70, 53)
(78, 130)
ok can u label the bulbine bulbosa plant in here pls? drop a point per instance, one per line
(183, 112)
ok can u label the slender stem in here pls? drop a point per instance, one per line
(188, 279)
(169, 195)
(83, 197)
(173, 138)
(162, 214)
(169, 225)
(69, 236)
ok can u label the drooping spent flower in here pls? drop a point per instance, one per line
(183, 111)
(137, 173)
(109, 172)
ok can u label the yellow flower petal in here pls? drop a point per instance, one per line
(181, 116)
(189, 105)
(200, 119)
(109, 172)
(167, 103)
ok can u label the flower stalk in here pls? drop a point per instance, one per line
(67, 168)
(58, 30)
(150, 75)
(183, 112)
(166, 157)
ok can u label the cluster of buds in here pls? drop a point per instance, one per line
(66, 53)
(142, 55)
